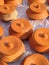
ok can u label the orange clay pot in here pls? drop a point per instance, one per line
(39, 40)
(36, 12)
(14, 2)
(1, 32)
(38, 7)
(36, 16)
(3, 63)
(39, 1)
(7, 8)
(35, 59)
(21, 28)
(9, 17)
(1, 2)
(12, 48)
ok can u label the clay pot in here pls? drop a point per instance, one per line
(37, 11)
(21, 28)
(35, 59)
(39, 40)
(12, 48)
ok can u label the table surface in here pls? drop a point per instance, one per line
(35, 23)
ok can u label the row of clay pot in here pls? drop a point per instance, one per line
(17, 2)
(33, 59)
(21, 28)
(37, 10)
(39, 40)
(11, 47)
